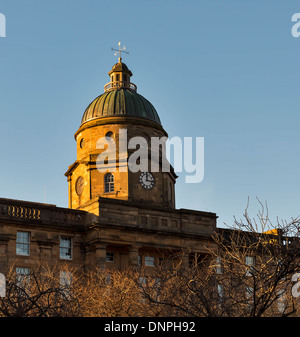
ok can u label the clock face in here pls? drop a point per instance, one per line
(147, 180)
(79, 185)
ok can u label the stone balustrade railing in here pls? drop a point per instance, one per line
(34, 212)
(119, 84)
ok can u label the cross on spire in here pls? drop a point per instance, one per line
(119, 51)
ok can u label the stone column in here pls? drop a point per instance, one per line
(185, 260)
(100, 254)
(133, 255)
(45, 249)
(3, 252)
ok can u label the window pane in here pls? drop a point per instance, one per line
(109, 178)
(250, 261)
(23, 276)
(109, 257)
(22, 249)
(22, 271)
(23, 237)
(22, 243)
(65, 278)
(65, 281)
(65, 242)
(65, 253)
(109, 185)
(220, 291)
(149, 261)
(142, 280)
(219, 268)
(65, 248)
(282, 304)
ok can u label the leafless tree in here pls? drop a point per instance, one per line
(249, 274)
(41, 293)
(248, 270)
(109, 293)
(257, 261)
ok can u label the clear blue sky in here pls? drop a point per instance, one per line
(227, 71)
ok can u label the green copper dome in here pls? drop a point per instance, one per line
(120, 98)
(120, 102)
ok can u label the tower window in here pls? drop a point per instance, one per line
(118, 77)
(109, 183)
(109, 135)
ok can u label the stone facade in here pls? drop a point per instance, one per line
(127, 185)
(109, 223)
(128, 231)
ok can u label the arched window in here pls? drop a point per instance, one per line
(109, 135)
(109, 183)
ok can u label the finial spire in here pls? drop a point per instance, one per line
(119, 51)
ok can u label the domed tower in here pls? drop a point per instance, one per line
(120, 111)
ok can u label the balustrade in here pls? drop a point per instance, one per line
(50, 214)
(119, 84)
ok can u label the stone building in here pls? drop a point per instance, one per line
(114, 219)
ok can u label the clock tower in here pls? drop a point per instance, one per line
(117, 116)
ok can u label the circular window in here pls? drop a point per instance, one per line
(109, 135)
(81, 144)
(79, 185)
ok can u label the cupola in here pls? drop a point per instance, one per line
(120, 77)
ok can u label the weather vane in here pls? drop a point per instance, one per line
(119, 51)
